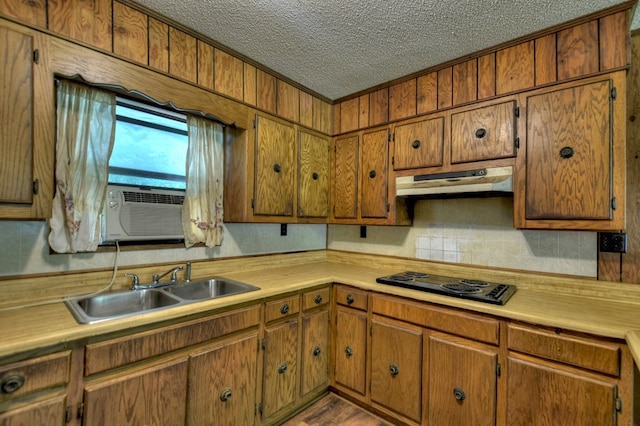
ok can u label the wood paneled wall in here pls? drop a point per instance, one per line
(598, 45)
(132, 34)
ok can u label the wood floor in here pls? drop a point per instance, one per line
(334, 410)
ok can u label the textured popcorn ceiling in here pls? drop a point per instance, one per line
(339, 47)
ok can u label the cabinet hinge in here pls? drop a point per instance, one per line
(36, 56)
(255, 124)
(516, 112)
(68, 414)
(498, 370)
(36, 186)
(393, 161)
(259, 409)
(614, 203)
(253, 204)
(80, 414)
(388, 207)
(614, 93)
(516, 143)
(263, 344)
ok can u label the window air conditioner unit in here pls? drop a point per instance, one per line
(141, 214)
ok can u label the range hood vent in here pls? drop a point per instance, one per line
(495, 179)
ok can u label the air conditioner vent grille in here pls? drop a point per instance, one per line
(153, 198)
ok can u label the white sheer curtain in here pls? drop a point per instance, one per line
(202, 211)
(85, 135)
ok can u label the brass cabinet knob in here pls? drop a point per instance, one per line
(282, 368)
(459, 394)
(318, 299)
(284, 309)
(225, 395)
(11, 383)
(316, 351)
(350, 299)
(348, 351)
(394, 369)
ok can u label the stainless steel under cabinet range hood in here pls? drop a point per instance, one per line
(494, 179)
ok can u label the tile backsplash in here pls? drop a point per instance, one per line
(24, 248)
(474, 231)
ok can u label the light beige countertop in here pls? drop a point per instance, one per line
(595, 307)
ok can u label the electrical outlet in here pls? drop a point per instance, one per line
(363, 231)
(283, 229)
(613, 242)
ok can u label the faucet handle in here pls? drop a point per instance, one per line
(174, 273)
(135, 282)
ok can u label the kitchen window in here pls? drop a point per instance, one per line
(150, 146)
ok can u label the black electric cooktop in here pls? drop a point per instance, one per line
(478, 290)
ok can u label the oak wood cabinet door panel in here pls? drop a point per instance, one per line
(419, 144)
(280, 367)
(315, 351)
(313, 176)
(345, 182)
(540, 394)
(153, 396)
(462, 382)
(350, 347)
(483, 133)
(50, 412)
(396, 368)
(16, 115)
(373, 202)
(222, 383)
(569, 153)
(275, 168)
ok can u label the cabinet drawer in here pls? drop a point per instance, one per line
(34, 375)
(314, 298)
(354, 298)
(127, 349)
(463, 324)
(282, 308)
(573, 350)
(483, 133)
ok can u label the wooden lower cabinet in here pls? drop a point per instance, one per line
(350, 352)
(222, 383)
(540, 393)
(462, 381)
(396, 368)
(155, 395)
(280, 385)
(315, 351)
(49, 412)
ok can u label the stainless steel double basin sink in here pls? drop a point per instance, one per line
(120, 304)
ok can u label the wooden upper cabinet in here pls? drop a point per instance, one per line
(419, 144)
(484, 133)
(578, 50)
(462, 381)
(345, 178)
(402, 100)
(130, 33)
(16, 114)
(515, 68)
(275, 168)
(229, 73)
(313, 176)
(569, 153)
(374, 172)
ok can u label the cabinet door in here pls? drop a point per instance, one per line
(16, 116)
(50, 412)
(315, 351)
(541, 395)
(374, 153)
(569, 153)
(419, 144)
(280, 367)
(275, 168)
(345, 182)
(462, 382)
(222, 383)
(153, 396)
(396, 368)
(483, 133)
(350, 347)
(313, 176)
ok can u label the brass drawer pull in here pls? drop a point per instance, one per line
(481, 133)
(12, 383)
(318, 299)
(284, 309)
(350, 299)
(567, 152)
